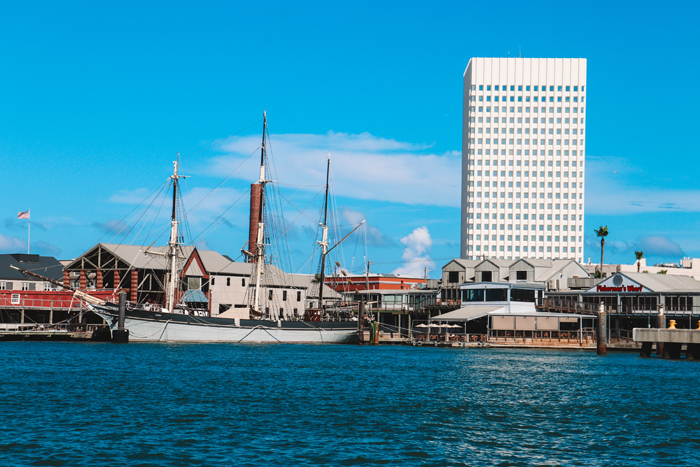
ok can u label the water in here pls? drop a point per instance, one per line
(70, 404)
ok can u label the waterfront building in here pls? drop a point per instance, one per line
(208, 281)
(544, 273)
(345, 283)
(523, 159)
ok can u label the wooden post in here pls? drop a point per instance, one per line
(601, 335)
(361, 321)
(661, 324)
(121, 335)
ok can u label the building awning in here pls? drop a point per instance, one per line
(466, 314)
(196, 296)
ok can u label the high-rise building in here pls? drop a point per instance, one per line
(523, 158)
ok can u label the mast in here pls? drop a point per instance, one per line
(259, 242)
(173, 244)
(324, 242)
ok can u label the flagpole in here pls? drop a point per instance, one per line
(29, 230)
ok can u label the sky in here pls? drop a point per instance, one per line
(98, 99)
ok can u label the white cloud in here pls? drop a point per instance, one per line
(204, 199)
(617, 186)
(363, 166)
(416, 253)
(12, 244)
(136, 196)
(372, 234)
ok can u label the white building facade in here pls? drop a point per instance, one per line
(523, 158)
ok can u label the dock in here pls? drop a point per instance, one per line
(669, 343)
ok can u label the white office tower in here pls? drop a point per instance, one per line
(523, 164)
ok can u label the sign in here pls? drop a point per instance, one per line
(618, 283)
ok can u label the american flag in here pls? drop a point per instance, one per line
(23, 215)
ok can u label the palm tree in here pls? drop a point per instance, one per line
(639, 255)
(602, 232)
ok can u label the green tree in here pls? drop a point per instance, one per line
(639, 255)
(602, 232)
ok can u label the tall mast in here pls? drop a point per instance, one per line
(259, 244)
(324, 242)
(173, 244)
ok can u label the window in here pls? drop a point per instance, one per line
(453, 277)
(481, 87)
(486, 276)
(194, 283)
(228, 281)
(521, 275)
(5, 285)
(28, 286)
(269, 294)
(212, 280)
(496, 295)
(298, 296)
(243, 282)
(284, 295)
(473, 295)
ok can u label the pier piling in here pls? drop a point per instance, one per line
(660, 324)
(121, 335)
(602, 332)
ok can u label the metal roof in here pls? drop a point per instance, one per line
(660, 283)
(466, 314)
(46, 266)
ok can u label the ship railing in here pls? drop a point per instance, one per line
(17, 301)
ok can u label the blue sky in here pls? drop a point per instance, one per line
(98, 99)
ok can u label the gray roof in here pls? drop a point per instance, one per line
(465, 263)
(664, 282)
(46, 266)
(536, 263)
(305, 281)
(558, 265)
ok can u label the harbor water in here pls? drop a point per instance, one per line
(78, 404)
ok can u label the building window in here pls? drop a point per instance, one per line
(213, 280)
(298, 296)
(28, 286)
(284, 295)
(243, 282)
(269, 294)
(228, 281)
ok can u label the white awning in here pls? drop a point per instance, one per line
(466, 314)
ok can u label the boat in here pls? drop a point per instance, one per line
(175, 323)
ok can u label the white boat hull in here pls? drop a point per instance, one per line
(200, 330)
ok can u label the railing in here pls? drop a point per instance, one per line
(585, 335)
(568, 306)
(8, 302)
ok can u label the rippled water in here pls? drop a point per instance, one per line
(69, 404)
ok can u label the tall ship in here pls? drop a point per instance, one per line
(174, 321)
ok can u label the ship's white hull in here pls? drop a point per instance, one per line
(199, 330)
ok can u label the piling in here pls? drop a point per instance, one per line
(121, 335)
(361, 322)
(693, 352)
(602, 332)
(660, 324)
